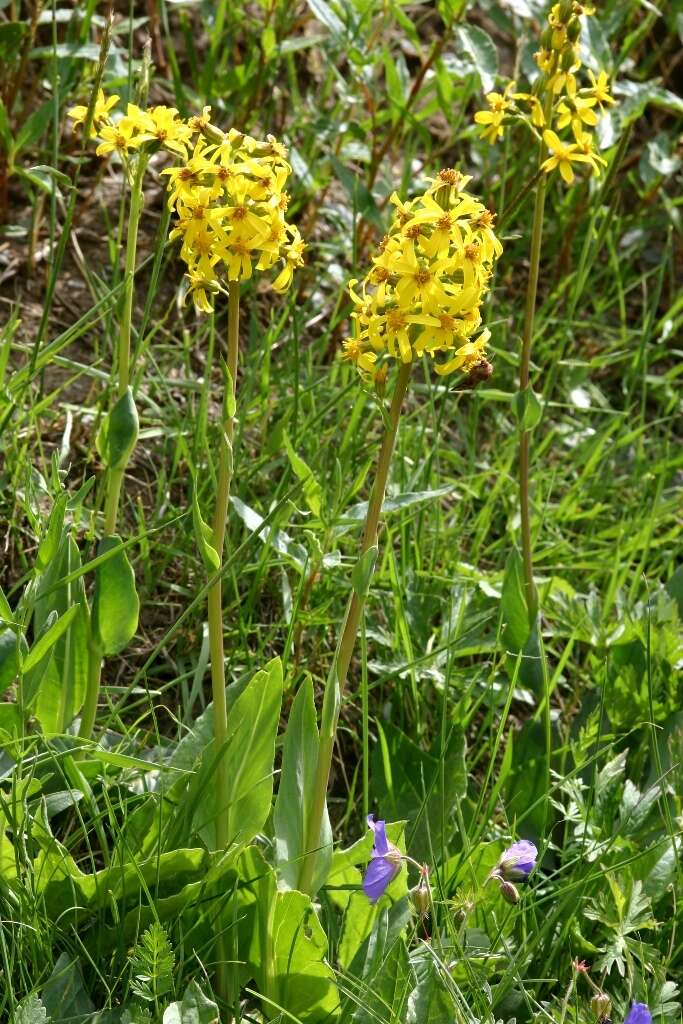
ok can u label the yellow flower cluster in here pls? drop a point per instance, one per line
(230, 202)
(228, 192)
(557, 104)
(426, 284)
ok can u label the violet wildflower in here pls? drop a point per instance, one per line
(385, 862)
(639, 1014)
(517, 863)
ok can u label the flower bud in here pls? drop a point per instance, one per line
(574, 29)
(601, 1005)
(508, 891)
(421, 895)
(380, 380)
(566, 10)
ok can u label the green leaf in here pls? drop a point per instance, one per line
(528, 409)
(326, 15)
(10, 657)
(363, 572)
(312, 489)
(62, 685)
(115, 604)
(286, 947)
(204, 535)
(47, 640)
(34, 126)
(482, 52)
(381, 962)
(64, 995)
(119, 432)
(30, 1011)
(194, 1008)
(49, 545)
(280, 540)
(5, 610)
(358, 513)
(248, 762)
(422, 787)
(295, 794)
(362, 199)
(12, 35)
(513, 604)
(5, 129)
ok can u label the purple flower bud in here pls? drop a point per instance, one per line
(385, 862)
(517, 863)
(639, 1014)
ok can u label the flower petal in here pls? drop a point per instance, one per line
(378, 877)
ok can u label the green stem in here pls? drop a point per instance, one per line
(115, 476)
(531, 593)
(224, 972)
(215, 597)
(336, 680)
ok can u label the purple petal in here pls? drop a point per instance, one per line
(381, 842)
(378, 876)
(639, 1014)
(518, 861)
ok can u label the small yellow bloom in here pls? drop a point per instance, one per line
(563, 155)
(103, 105)
(116, 138)
(600, 88)
(576, 112)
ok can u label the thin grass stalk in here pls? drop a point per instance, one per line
(336, 680)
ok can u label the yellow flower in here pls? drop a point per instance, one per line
(584, 141)
(357, 352)
(576, 112)
(200, 121)
(162, 125)
(466, 357)
(600, 88)
(116, 138)
(422, 293)
(103, 105)
(198, 288)
(492, 119)
(563, 155)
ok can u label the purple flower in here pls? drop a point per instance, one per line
(639, 1014)
(517, 863)
(385, 862)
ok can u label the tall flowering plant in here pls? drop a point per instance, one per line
(421, 297)
(229, 201)
(561, 111)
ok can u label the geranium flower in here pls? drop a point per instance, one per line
(385, 862)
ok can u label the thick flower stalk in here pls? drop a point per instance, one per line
(561, 111)
(421, 297)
